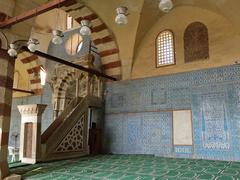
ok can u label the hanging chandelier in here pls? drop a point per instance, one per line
(85, 29)
(12, 51)
(32, 44)
(165, 5)
(57, 37)
(121, 17)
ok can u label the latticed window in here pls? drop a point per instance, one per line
(196, 42)
(165, 48)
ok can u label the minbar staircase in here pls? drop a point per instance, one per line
(67, 136)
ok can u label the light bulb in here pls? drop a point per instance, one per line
(165, 5)
(85, 31)
(57, 40)
(12, 52)
(121, 19)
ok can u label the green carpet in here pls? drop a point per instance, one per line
(130, 167)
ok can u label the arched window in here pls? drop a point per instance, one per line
(165, 48)
(196, 42)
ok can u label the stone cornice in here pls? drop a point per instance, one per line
(32, 109)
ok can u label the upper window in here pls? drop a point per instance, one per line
(196, 42)
(69, 22)
(165, 48)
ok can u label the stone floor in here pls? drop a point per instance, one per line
(129, 167)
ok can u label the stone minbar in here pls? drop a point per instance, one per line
(30, 137)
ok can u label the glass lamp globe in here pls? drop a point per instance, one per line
(85, 31)
(57, 37)
(32, 47)
(33, 44)
(165, 5)
(12, 52)
(57, 40)
(121, 19)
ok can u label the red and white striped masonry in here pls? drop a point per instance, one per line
(102, 37)
(6, 84)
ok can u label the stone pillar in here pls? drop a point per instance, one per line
(30, 136)
(77, 74)
(99, 87)
(6, 84)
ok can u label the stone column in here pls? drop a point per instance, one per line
(100, 87)
(30, 136)
(6, 84)
(76, 92)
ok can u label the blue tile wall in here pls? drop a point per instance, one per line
(143, 133)
(15, 124)
(139, 114)
(183, 151)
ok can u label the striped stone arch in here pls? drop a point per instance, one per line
(63, 82)
(60, 87)
(102, 38)
(33, 65)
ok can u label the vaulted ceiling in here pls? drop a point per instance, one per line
(150, 12)
(143, 14)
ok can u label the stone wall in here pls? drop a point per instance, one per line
(139, 120)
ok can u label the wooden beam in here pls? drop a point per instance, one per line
(23, 91)
(35, 12)
(61, 61)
